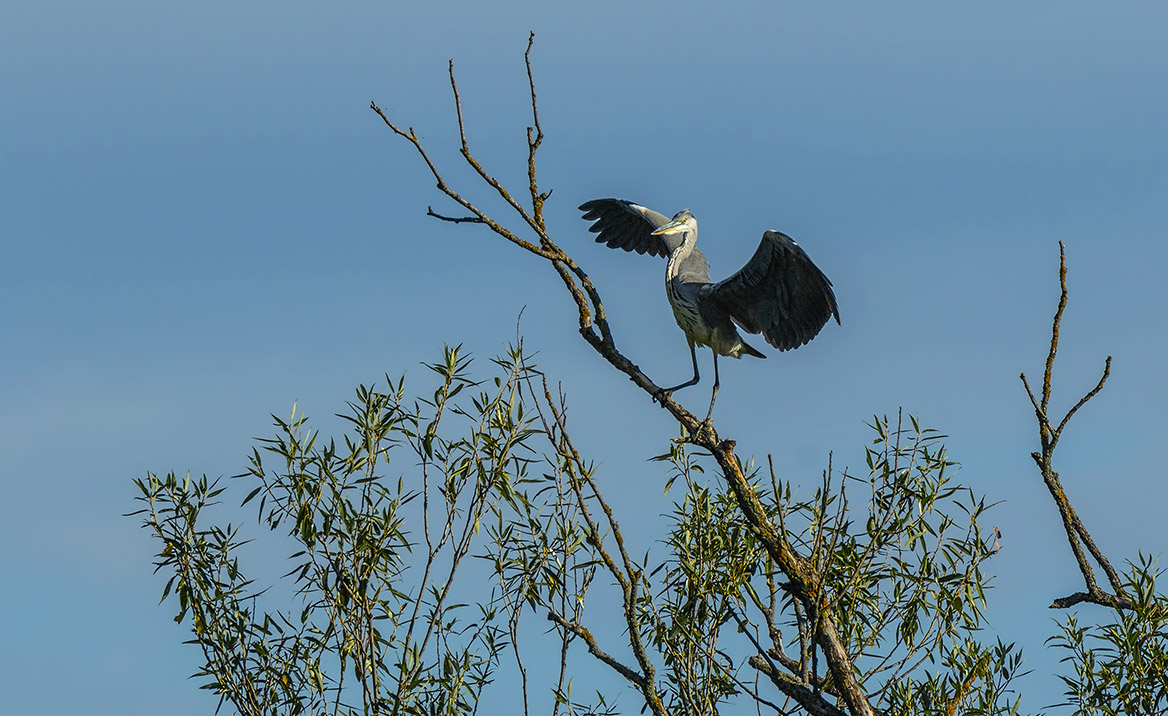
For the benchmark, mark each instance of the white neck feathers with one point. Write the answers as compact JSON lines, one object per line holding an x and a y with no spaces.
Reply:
{"x":680,"y":254}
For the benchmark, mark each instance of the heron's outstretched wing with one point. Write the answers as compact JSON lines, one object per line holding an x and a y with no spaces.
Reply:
{"x":624,"y":225}
{"x":779,"y":293}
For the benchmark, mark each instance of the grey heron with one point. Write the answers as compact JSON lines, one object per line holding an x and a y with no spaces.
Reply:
{"x":779,"y":293}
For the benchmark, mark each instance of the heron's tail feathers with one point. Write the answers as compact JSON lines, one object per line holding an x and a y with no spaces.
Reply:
{"x":746,"y":349}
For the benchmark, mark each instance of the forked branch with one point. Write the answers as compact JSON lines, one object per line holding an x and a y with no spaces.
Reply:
{"x":1077,"y":535}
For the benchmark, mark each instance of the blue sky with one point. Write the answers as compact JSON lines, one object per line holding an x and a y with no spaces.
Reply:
{"x":203,"y":222}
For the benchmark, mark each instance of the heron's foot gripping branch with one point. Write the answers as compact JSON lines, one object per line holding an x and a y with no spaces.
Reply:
{"x":706,"y":430}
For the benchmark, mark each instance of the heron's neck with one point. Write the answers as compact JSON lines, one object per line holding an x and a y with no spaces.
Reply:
{"x":680,"y":254}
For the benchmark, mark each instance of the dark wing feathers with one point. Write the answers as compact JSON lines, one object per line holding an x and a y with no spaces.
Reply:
{"x":779,"y":293}
{"x":624,"y":225}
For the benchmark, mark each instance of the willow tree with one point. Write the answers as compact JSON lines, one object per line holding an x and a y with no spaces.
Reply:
{"x":454,"y":536}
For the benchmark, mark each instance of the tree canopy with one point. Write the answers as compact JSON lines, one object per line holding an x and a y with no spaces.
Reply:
{"x":453,"y":540}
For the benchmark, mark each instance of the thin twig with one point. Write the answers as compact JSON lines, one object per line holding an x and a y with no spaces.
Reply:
{"x":483,"y":174}
{"x":537,"y":199}
{"x":1083,"y":401}
{"x":454,"y":219}
{"x":1054,"y":333}
{"x":412,"y":138}
{"x":1039,"y":412}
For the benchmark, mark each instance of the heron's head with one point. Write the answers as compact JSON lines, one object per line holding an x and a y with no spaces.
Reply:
{"x":683,"y":222}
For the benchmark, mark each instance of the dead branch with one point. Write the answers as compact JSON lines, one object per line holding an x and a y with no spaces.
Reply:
{"x":1077,"y":535}
{"x":633,"y":677}
{"x":453,"y":219}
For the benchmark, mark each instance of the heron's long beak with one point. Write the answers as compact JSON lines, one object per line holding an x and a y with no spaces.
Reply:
{"x":671,"y":226}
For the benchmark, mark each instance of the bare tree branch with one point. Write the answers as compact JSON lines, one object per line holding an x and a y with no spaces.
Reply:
{"x":1083,"y":401}
{"x":474,"y":163}
{"x":537,"y":199}
{"x":412,"y":138}
{"x":1077,"y":534}
{"x":1054,"y":333}
{"x":632,"y":676}
{"x":454,"y":219}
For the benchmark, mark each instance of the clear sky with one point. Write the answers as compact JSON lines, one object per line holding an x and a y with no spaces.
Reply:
{"x":201,"y":222}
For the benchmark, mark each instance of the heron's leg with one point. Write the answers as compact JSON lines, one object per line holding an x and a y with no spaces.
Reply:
{"x":715,"y":395}
{"x":665,"y":392}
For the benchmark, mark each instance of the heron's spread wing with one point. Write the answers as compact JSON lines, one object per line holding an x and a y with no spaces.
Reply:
{"x":779,"y":293}
{"x":624,"y":225}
